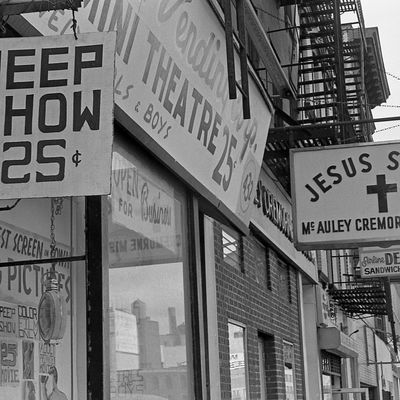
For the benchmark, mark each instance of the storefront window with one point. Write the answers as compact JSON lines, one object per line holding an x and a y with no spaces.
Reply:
{"x":237,"y":362}
{"x":42,"y":333}
{"x":149,"y":324}
{"x":327,"y":386}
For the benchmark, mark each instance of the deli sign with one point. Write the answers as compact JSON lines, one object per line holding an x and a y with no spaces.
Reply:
{"x":377,"y":262}
{"x":56,"y":115}
{"x":346,"y":196}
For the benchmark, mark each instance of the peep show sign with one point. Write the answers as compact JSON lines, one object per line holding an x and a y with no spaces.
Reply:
{"x":378,"y":262}
{"x":346,"y":195}
{"x":56,"y":115}
{"x":171,"y":80}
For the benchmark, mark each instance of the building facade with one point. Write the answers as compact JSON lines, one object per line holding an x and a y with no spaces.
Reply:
{"x":184,"y":282}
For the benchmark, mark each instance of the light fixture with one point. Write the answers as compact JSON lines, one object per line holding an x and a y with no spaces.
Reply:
{"x":52,"y":309}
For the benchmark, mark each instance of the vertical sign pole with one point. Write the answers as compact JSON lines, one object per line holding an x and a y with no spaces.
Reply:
{"x":389,"y":306}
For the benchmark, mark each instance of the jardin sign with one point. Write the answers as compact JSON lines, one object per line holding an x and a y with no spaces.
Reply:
{"x":56,"y":115}
{"x":346,"y":196}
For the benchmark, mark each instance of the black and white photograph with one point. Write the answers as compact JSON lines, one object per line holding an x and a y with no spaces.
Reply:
{"x":199,"y":200}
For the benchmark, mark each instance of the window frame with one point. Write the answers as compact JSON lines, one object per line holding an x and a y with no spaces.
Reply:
{"x":245,"y":350}
{"x":293,"y":364}
{"x":238,"y":237}
{"x":127,"y":146}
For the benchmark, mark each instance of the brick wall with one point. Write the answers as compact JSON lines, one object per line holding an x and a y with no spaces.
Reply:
{"x":272,"y":313}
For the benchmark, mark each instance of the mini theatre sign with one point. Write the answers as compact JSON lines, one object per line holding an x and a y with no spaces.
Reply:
{"x":377,"y":262}
{"x":171,"y":89}
{"x":346,"y":196}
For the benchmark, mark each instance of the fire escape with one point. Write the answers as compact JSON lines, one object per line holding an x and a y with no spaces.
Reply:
{"x":331,"y":72}
{"x":340,"y":81}
{"x":362,"y":298}
{"x":335,"y":85}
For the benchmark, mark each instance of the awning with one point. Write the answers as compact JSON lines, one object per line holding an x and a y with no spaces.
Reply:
{"x":336,"y":342}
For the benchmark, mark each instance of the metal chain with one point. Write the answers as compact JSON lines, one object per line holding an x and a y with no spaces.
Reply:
{"x":56,"y":208}
{"x":52,"y":234}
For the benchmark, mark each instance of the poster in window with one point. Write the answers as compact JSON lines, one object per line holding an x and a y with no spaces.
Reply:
{"x":30,"y":368}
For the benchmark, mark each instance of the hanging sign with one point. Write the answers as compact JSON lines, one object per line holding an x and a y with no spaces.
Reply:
{"x":56,"y":115}
{"x":347,"y":195}
{"x":172,"y":82}
{"x":377,"y":262}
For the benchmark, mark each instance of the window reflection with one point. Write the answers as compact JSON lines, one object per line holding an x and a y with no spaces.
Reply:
{"x":288,"y":355}
{"x":148,"y":352}
{"x":237,"y":362}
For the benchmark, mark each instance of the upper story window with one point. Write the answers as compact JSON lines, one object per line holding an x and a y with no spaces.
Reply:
{"x":285,"y":280}
{"x":232,"y":248}
{"x":262,"y":266}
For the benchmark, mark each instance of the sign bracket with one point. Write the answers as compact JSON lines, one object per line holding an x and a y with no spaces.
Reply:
{"x":43,"y":261}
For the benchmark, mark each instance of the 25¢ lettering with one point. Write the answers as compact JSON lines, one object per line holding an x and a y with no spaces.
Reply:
{"x":11,"y":171}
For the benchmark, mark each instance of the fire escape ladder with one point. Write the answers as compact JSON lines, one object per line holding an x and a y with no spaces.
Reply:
{"x":332,"y":94}
{"x":243,"y":85}
{"x":330,"y":74}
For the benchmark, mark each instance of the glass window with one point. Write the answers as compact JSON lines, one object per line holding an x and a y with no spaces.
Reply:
{"x":149,"y":324}
{"x":261,"y":367}
{"x":327,"y":386}
{"x":237,"y":358}
{"x":263,"y":271}
{"x":42,"y":333}
{"x":232,"y":247}
{"x":288,"y":355}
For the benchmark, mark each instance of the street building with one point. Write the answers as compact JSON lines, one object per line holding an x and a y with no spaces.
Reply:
{"x":151,"y":243}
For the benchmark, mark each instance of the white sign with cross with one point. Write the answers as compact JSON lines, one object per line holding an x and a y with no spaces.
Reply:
{"x":346,"y":196}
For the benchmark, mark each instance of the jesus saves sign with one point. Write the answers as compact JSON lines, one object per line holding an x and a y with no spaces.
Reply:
{"x":346,"y":195}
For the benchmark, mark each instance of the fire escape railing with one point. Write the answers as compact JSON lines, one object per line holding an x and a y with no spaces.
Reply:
{"x":331,"y":67}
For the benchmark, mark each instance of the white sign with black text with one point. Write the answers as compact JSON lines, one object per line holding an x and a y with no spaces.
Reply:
{"x":377,"y":262}
{"x":56,"y":115}
{"x":347,"y":195}
{"x":171,"y":80}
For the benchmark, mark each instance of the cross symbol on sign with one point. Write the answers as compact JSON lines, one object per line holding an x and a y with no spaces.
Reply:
{"x":382,"y":189}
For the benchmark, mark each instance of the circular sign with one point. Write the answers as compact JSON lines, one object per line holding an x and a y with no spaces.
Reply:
{"x":52,"y":316}
{"x":247,"y":185}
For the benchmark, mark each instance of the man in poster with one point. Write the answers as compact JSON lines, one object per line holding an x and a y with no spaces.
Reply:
{"x":56,"y":393}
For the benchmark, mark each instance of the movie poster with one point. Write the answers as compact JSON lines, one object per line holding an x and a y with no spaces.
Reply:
{"x":30,"y":367}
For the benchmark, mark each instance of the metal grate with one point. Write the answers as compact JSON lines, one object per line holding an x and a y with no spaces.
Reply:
{"x":360,"y":298}
{"x":330,"y":363}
